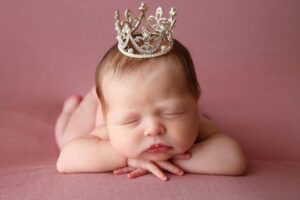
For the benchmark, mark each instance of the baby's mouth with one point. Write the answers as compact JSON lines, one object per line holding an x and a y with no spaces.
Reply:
{"x":158,"y":148}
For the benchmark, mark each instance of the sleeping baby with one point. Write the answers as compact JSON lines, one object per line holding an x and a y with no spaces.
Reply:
{"x":142,"y":114}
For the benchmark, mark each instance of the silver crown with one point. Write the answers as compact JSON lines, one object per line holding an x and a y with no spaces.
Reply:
{"x":154,"y":40}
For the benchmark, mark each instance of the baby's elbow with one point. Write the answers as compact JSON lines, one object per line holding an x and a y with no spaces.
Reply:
{"x":238,"y":163}
{"x":239,"y":167}
{"x":232,"y":156}
{"x":78,"y":155}
{"x":59,"y":166}
{"x":64,"y":162}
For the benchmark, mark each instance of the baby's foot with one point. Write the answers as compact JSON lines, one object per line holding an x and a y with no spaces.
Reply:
{"x":69,"y":106}
{"x":71,"y":103}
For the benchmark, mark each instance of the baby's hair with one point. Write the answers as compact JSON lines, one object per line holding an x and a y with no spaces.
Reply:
{"x":121,"y":64}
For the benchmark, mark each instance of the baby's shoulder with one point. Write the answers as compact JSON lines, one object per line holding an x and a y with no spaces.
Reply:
{"x":100,"y":131}
{"x":206,"y":128}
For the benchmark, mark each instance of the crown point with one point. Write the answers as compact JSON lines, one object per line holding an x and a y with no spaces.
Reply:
{"x":173,"y":11}
{"x":143,"y":7}
{"x":117,"y":15}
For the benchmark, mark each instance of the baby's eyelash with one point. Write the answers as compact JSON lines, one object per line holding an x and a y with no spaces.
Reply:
{"x":129,"y":122}
{"x":172,"y":114}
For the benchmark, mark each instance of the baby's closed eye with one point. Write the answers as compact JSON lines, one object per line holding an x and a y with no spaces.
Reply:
{"x":135,"y":119}
{"x":129,"y":121}
{"x":172,"y":114}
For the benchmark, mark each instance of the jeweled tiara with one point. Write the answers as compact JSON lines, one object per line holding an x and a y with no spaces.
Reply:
{"x":154,"y":40}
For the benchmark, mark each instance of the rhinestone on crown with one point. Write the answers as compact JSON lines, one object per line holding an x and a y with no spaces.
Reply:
{"x":154,"y":40}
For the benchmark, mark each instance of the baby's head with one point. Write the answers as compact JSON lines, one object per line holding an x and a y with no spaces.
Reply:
{"x":149,"y":101}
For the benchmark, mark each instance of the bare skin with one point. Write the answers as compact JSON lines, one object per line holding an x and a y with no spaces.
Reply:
{"x":82,"y":118}
{"x":78,"y":117}
{"x":70,"y":125}
{"x":152,"y":122}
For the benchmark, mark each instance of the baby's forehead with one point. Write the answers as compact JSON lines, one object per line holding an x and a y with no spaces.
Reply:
{"x":163,"y":66}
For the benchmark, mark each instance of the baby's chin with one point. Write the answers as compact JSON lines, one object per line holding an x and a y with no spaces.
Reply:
{"x":156,"y":156}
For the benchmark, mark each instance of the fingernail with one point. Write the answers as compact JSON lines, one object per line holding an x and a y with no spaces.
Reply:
{"x":180,"y":173}
{"x":187,"y":156}
{"x":165,"y":178}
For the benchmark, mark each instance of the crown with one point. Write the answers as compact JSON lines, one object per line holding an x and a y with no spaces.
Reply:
{"x":154,"y":40}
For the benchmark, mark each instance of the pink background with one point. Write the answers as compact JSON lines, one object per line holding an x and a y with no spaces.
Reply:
{"x":247,"y":55}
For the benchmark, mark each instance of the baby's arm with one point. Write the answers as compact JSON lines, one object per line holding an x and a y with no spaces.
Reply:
{"x":216,"y":154}
{"x":89,"y":154}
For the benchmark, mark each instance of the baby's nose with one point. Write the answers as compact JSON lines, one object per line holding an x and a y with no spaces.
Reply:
{"x":154,"y":128}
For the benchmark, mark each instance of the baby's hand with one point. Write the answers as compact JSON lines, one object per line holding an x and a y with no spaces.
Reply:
{"x":139,"y":167}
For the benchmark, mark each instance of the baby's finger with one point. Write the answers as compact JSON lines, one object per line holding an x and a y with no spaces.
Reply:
{"x":156,"y":171}
{"x":182,"y":156}
{"x":137,"y":163}
{"x":147,"y":165}
{"x":138,"y":172}
{"x":170,"y":167}
{"x":124,"y":170}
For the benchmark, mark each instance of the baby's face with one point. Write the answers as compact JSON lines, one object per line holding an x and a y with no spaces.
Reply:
{"x":148,"y":107}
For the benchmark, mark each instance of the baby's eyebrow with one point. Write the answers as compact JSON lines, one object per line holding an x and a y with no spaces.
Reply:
{"x":172,"y":104}
{"x":125,"y":115}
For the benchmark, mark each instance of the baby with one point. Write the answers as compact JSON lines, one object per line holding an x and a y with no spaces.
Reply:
{"x":142,"y":116}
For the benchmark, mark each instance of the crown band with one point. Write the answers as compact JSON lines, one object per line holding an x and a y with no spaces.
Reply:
{"x":145,"y":44}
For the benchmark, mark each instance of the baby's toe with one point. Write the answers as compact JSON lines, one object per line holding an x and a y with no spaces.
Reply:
{"x":71,"y":103}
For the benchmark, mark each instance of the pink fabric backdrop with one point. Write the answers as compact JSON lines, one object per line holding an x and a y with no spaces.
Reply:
{"x":247,"y":55}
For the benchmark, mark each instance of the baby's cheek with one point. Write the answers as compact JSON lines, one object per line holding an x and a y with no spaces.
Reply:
{"x":125,"y":144}
{"x":115,"y":139}
{"x":136,"y":146}
{"x":184,"y":138}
